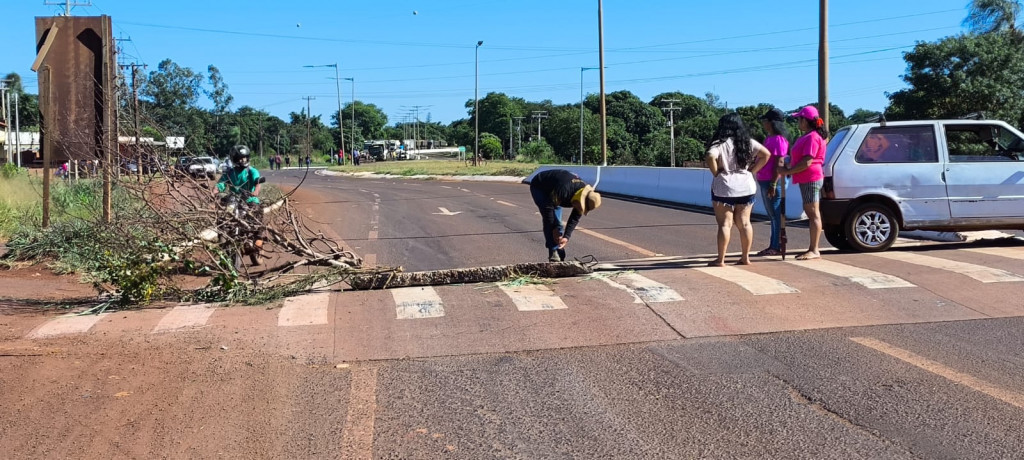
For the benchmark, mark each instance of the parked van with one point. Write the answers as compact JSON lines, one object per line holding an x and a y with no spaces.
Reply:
{"x":942,"y":175}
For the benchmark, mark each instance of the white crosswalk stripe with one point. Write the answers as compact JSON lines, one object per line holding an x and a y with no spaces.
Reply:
{"x":756,"y":283}
{"x":643,"y":289}
{"x":533,"y":297}
{"x":978,"y":272}
{"x":867,"y":278}
{"x":417,"y":302}
{"x":65,"y":325}
{"x":307,"y":310}
{"x":1009,"y":253}
{"x":184,"y":316}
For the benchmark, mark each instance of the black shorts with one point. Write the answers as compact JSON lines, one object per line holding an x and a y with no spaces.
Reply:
{"x":733,"y":200}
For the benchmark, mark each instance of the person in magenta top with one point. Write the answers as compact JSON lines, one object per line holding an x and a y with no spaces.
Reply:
{"x":769,"y":181}
{"x":806,"y":160}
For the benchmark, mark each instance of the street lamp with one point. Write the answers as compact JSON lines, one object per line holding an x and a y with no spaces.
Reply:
{"x":476,"y":108}
{"x":352,"y":144}
{"x":582,"y":69}
{"x":337,"y":81}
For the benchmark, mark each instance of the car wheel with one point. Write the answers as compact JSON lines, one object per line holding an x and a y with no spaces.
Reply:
{"x":871,"y":227}
{"x":836,"y":236}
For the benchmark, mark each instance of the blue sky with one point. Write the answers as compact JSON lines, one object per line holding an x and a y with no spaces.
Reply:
{"x":744,"y":51}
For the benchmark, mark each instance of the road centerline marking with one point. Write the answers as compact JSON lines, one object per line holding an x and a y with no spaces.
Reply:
{"x":978,"y":272}
{"x":864,"y":277}
{"x":756,"y":283}
{"x":507,"y":204}
{"x":974,"y":383}
{"x":630,"y":246}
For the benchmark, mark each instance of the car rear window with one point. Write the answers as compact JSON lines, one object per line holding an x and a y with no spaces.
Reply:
{"x":899,"y":144}
{"x":834,"y":143}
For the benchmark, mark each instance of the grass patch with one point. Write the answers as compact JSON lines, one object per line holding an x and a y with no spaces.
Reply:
{"x":442,"y":168}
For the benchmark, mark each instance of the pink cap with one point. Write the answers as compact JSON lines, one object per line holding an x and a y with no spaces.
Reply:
{"x":809,"y":112}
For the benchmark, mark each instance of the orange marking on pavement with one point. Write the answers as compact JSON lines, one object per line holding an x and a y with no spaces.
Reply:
{"x":942,"y":370}
{"x":631,"y":247}
{"x":357,"y":441}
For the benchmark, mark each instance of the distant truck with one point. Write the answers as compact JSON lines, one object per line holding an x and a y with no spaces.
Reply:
{"x":378,"y":150}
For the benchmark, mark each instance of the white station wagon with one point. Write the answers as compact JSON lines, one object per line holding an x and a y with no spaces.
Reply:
{"x":943,"y":175}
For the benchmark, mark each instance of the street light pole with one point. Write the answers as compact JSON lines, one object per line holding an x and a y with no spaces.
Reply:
{"x":823,"y":64}
{"x":604,"y":111}
{"x":476,"y":108}
{"x":351,"y":144}
{"x":582,"y":69}
{"x":341,"y":128}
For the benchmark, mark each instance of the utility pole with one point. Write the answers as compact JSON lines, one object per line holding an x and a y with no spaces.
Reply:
{"x":509,"y":138}
{"x":308,"y":147}
{"x":604,"y":109}
{"x":5,"y":113}
{"x":68,"y":4}
{"x":671,"y":127}
{"x":823,"y":65}
{"x":519,"y":131}
{"x":135,"y":109}
{"x":539,"y":115}
{"x":17,"y":130}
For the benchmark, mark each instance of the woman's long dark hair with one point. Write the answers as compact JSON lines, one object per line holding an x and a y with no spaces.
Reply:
{"x":777,"y":128}
{"x":731,"y":126}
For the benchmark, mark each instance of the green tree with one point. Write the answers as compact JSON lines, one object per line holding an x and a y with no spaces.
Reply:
{"x":370,"y":122}
{"x":490,"y":146}
{"x":963,"y":74}
{"x":28,"y":104}
{"x":863,"y":115}
{"x":987,"y":16}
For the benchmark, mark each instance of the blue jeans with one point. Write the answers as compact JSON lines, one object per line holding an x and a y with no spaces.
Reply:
{"x":541,"y":200}
{"x":773,"y":207}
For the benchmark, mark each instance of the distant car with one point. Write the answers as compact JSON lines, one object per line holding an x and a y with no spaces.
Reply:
{"x":941,"y":175}
{"x":203,"y":167}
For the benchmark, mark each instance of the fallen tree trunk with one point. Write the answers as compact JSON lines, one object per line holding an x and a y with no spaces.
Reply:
{"x":394,"y":278}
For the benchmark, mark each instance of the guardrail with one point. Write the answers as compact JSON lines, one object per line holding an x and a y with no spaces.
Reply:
{"x":689,"y":186}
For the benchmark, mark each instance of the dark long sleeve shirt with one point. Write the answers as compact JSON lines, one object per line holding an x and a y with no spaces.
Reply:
{"x":559,"y":186}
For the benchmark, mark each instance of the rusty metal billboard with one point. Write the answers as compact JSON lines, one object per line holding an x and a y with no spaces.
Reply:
{"x":77,"y":99}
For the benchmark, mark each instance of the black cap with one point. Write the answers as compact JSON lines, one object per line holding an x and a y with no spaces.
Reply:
{"x":773,"y":115}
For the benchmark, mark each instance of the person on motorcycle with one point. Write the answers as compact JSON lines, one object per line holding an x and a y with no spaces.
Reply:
{"x":244,"y":181}
{"x":240,"y":178}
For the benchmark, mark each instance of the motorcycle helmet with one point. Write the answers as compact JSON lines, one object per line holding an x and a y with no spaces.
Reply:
{"x":240,"y":156}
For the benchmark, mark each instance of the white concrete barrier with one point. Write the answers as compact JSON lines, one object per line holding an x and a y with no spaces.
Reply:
{"x":689,"y":186}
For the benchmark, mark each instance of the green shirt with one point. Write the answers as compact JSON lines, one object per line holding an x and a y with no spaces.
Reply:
{"x":235,"y":181}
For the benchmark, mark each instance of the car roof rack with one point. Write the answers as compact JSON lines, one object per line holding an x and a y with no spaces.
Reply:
{"x":979,"y":115}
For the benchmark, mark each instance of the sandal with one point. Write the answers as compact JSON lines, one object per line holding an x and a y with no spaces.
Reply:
{"x":769,"y":252}
{"x":808,"y":256}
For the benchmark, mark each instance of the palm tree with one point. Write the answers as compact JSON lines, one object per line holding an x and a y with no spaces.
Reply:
{"x":986,"y":16}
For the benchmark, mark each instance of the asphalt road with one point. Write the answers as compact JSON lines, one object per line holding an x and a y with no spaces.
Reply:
{"x":914,"y":354}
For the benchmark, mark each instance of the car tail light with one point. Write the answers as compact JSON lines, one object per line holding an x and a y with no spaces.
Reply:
{"x":828,"y":191}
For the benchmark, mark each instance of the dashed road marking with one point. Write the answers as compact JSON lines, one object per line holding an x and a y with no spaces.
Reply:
{"x":867,"y":278}
{"x":370,"y":260}
{"x":1002,"y":394}
{"x":1009,"y":253}
{"x":372,"y":236}
{"x":417,"y":302}
{"x":184,"y":316}
{"x":65,"y":325}
{"x":533,"y":297}
{"x":756,"y":283}
{"x":508,"y":204}
{"x":978,"y":272}
{"x":307,"y":310}
{"x":643,"y":289}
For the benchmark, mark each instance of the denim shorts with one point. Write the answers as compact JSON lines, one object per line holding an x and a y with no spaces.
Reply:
{"x":733,"y":200}
{"x":811,"y":191}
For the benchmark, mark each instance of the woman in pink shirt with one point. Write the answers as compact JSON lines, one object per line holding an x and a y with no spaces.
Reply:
{"x":805,"y":166}
{"x":769,"y":181}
